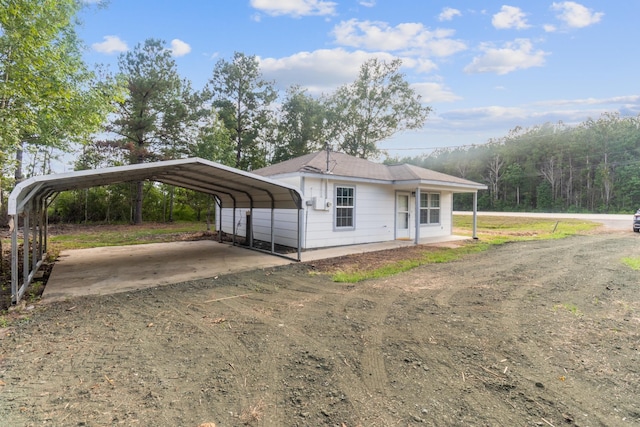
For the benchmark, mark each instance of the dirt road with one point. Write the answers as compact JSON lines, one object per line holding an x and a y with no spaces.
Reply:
{"x":529,"y":334}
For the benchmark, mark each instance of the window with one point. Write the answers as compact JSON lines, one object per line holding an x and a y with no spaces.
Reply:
{"x":429,"y":208}
{"x":345,"y":204}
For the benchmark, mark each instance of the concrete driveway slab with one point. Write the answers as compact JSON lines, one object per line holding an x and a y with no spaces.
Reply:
{"x":106,"y":270}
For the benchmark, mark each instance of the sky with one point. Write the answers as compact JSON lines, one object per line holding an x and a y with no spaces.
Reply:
{"x":484,"y":67}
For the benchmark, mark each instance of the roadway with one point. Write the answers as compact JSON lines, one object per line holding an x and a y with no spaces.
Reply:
{"x":613,"y":221}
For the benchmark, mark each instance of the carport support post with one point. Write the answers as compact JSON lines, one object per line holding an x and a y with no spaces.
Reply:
{"x":219,"y":218}
{"x":25,"y":245}
{"x":300,"y":218}
{"x":475,"y":215}
{"x":13,"y":225}
{"x":249,"y":227}
{"x":273,"y":235}
{"x":417,"y":216}
{"x":233,"y":224}
{"x":44,"y":224}
{"x":35,"y":249}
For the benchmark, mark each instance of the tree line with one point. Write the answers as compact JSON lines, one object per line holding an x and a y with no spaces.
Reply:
{"x":53,"y":104}
{"x":590,"y":167}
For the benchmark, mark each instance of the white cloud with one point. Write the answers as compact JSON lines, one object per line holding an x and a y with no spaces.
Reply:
{"x":369,"y":3}
{"x":179,"y":48}
{"x":111,"y":44}
{"x":406,"y":38}
{"x":320,"y":71}
{"x":624,"y":100}
{"x":516,"y":55}
{"x":421,"y":65}
{"x":448,"y":13}
{"x":550,"y":28}
{"x":434,"y":92}
{"x":295,"y":8}
{"x":510,"y":17}
{"x":489,"y":113}
{"x":575,"y":15}
{"x":568,"y":111}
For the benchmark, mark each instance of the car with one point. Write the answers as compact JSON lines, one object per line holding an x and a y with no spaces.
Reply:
{"x":636,"y":222}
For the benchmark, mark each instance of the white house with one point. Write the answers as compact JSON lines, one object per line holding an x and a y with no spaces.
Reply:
{"x":348,"y":200}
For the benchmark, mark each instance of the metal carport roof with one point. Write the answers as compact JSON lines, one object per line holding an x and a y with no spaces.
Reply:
{"x":231,"y":187}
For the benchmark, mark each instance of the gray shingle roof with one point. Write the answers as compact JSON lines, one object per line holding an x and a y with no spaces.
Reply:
{"x":344,"y":165}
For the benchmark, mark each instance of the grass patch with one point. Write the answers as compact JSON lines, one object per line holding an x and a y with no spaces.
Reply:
{"x":491,"y":231}
{"x":82,"y":237}
{"x":429,"y":256}
{"x":515,"y":229}
{"x":633,"y":263}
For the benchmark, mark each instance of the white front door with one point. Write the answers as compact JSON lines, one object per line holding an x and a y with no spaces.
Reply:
{"x":402,"y":216}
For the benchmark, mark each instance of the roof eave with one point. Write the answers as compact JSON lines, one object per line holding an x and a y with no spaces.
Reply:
{"x":470,"y":187}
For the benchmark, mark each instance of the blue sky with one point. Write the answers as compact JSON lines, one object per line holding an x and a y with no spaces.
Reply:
{"x":484,"y":67}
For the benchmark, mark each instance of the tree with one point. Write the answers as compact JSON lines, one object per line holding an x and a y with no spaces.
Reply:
{"x":494,"y":176}
{"x":242,"y":99}
{"x":377,"y":105}
{"x":213,"y":141}
{"x":551,"y":172}
{"x":514,"y":177}
{"x":589,"y":167}
{"x":48,"y":96}
{"x":301,"y":126}
{"x":155,"y":120}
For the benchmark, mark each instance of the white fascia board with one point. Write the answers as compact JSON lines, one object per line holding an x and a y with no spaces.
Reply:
{"x":445,"y":185}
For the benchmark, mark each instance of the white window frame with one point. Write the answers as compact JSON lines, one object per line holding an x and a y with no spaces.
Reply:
{"x":339,"y":205}
{"x":432,"y":205}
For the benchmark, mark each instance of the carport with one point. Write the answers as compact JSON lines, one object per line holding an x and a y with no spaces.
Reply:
{"x":230,"y":188}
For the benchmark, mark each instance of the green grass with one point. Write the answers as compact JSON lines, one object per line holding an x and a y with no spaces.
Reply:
{"x":634,"y":263}
{"x":433,"y":256}
{"x":97,"y":236}
{"x":491,"y":231}
{"x":520,"y":228}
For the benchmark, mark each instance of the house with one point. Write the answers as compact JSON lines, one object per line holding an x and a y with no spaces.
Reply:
{"x":349,"y":200}
{"x":319,"y":200}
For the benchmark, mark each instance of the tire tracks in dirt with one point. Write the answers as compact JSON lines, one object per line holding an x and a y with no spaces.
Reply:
{"x":168,"y":329}
{"x":289,"y":340}
{"x":526,"y":287}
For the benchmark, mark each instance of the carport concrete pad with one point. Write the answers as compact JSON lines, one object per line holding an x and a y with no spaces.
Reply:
{"x":106,"y":270}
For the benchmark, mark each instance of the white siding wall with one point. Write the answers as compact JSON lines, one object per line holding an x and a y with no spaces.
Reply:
{"x":374,"y":216}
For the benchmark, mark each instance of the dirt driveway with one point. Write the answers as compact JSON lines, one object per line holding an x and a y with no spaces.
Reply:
{"x":527,"y":334}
